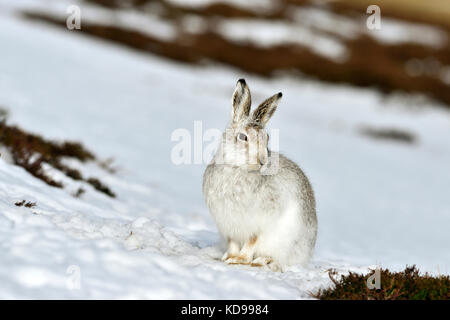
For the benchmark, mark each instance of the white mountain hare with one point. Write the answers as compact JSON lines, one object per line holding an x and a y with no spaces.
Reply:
{"x":262,"y":202}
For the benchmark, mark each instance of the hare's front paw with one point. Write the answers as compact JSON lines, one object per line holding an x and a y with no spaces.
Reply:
{"x":267,"y":262}
{"x":242,"y":256}
{"x":240,"y":259}
{"x":226,"y":256}
{"x":232,"y":252}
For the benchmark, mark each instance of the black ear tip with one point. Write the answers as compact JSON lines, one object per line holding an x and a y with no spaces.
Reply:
{"x":241,"y":81}
{"x":280,"y":94}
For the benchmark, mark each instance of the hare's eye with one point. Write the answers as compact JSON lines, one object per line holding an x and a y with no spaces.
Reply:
{"x":242,"y":137}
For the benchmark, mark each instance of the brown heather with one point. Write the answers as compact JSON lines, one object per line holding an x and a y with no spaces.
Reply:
{"x":31,"y":151}
{"x":406,"y":285}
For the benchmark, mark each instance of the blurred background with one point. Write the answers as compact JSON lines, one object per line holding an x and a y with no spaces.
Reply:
{"x":325,"y":40}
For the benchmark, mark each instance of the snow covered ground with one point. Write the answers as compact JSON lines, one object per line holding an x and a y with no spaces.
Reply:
{"x":379,"y":203}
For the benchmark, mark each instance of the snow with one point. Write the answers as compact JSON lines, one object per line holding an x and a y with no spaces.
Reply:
{"x":270,"y":33}
{"x":379,"y":203}
{"x":393,"y":31}
{"x":327,"y":21}
{"x":146,"y":22}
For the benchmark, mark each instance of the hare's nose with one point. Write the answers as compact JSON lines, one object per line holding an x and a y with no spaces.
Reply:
{"x":262,"y":159}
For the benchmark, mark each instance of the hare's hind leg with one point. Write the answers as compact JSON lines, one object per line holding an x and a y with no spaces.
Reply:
{"x":267,"y":262}
{"x":245,"y":255}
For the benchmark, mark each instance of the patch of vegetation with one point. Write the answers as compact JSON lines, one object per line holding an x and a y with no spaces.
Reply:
{"x":31,"y":151}
{"x":26,"y":204}
{"x":97,"y":184}
{"x":389,"y":134}
{"x":406,"y":285}
{"x":107,"y":165}
{"x":3,"y":114}
{"x":79,"y":193}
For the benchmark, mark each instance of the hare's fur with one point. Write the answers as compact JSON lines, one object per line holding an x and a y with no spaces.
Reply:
{"x":266,"y":219}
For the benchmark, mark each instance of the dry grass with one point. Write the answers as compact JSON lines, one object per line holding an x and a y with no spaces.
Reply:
{"x":26,"y":204}
{"x":390,"y":134}
{"x":31,"y":151}
{"x":406,"y":285}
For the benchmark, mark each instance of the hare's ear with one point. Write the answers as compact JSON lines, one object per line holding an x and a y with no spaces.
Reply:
{"x":265,"y":110}
{"x":241,"y":101}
